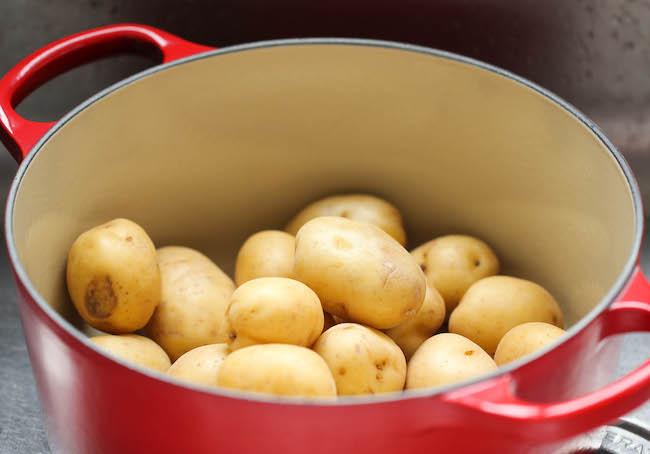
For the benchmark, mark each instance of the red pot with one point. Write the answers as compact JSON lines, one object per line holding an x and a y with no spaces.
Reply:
{"x":213,"y":145}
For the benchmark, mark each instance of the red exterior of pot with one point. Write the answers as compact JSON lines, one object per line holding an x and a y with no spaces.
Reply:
{"x":95,"y":405}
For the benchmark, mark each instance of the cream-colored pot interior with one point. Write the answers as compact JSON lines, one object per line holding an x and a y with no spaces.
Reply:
{"x":207,"y":152}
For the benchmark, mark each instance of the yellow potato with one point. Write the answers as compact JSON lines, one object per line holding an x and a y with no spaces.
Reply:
{"x":277,"y":369}
{"x":195,"y":295}
{"x":200,"y":365}
{"x":447,"y":358}
{"x":412,"y":333}
{"x":362,"y":360}
{"x":359,"y":272}
{"x":134,"y":349}
{"x":273,"y":310}
{"x":525,"y":339}
{"x":496,"y":304}
{"x":113,"y":278}
{"x":357,"y":207}
{"x":454,"y":262}
{"x":265,"y":254}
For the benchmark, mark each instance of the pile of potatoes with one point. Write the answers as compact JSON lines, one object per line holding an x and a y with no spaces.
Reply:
{"x":333,"y":305}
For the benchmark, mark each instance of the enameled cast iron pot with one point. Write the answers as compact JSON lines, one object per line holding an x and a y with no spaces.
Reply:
{"x":214,"y":145}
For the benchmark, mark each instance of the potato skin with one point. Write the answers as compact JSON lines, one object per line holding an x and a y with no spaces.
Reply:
{"x":279,"y":369}
{"x":195,"y":295}
{"x":359,"y":272}
{"x":272,"y":310}
{"x":200,"y":365}
{"x":446,"y":358}
{"x":452,"y":263}
{"x":265,"y":254}
{"x":113,"y":278}
{"x":357,"y":207}
{"x":362,"y":360}
{"x":135,"y":349}
{"x":412,"y":333}
{"x":496,"y":304}
{"x":525,"y":339}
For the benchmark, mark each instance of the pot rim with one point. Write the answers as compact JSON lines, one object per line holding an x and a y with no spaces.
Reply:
{"x":617,"y":288}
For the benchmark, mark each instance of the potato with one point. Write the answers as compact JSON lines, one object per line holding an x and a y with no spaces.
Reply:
{"x":454,"y":262}
{"x":265,"y":254}
{"x":362,"y":360}
{"x":287,"y":370}
{"x":496,"y":304}
{"x":525,"y":339}
{"x":412,"y":333}
{"x":359,"y":272}
{"x":195,"y":295}
{"x":357,"y":207}
{"x":134,"y":349}
{"x":200,"y":365}
{"x":447,"y":358}
{"x":113,"y":278}
{"x":273,"y":310}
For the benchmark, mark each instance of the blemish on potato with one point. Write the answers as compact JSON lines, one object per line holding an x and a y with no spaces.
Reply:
{"x":100,"y":298}
{"x":409,"y":313}
{"x":342,"y":371}
{"x":477,"y":262}
{"x":469,"y":352}
{"x":129,"y":238}
{"x":388,"y":269}
{"x":342,"y":244}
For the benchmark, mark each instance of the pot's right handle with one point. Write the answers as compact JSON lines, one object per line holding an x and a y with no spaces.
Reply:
{"x":20,"y":135}
{"x":494,"y":404}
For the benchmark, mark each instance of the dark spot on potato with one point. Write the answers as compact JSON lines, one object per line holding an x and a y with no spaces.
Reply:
{"x":379,"y":366}
{"x":554,"y":318}
{"x":379,"y":376}
{"x":232,"y":335}
{"x":100,"y":298}
{"x":129,"y":238}
{"x":342,"y":371}
{"x":345,"y":214}
{"x":469,"y":352}
{"x":424,"y":267}
{"x":477,"y":262}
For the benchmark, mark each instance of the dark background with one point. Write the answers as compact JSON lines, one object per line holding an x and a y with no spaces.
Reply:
{"x":593,"y":53}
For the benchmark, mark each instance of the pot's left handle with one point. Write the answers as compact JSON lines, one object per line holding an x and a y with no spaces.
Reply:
{"x":18,"y":134}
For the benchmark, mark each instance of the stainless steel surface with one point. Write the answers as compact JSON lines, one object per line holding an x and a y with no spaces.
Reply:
{"x":594,"y":53}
